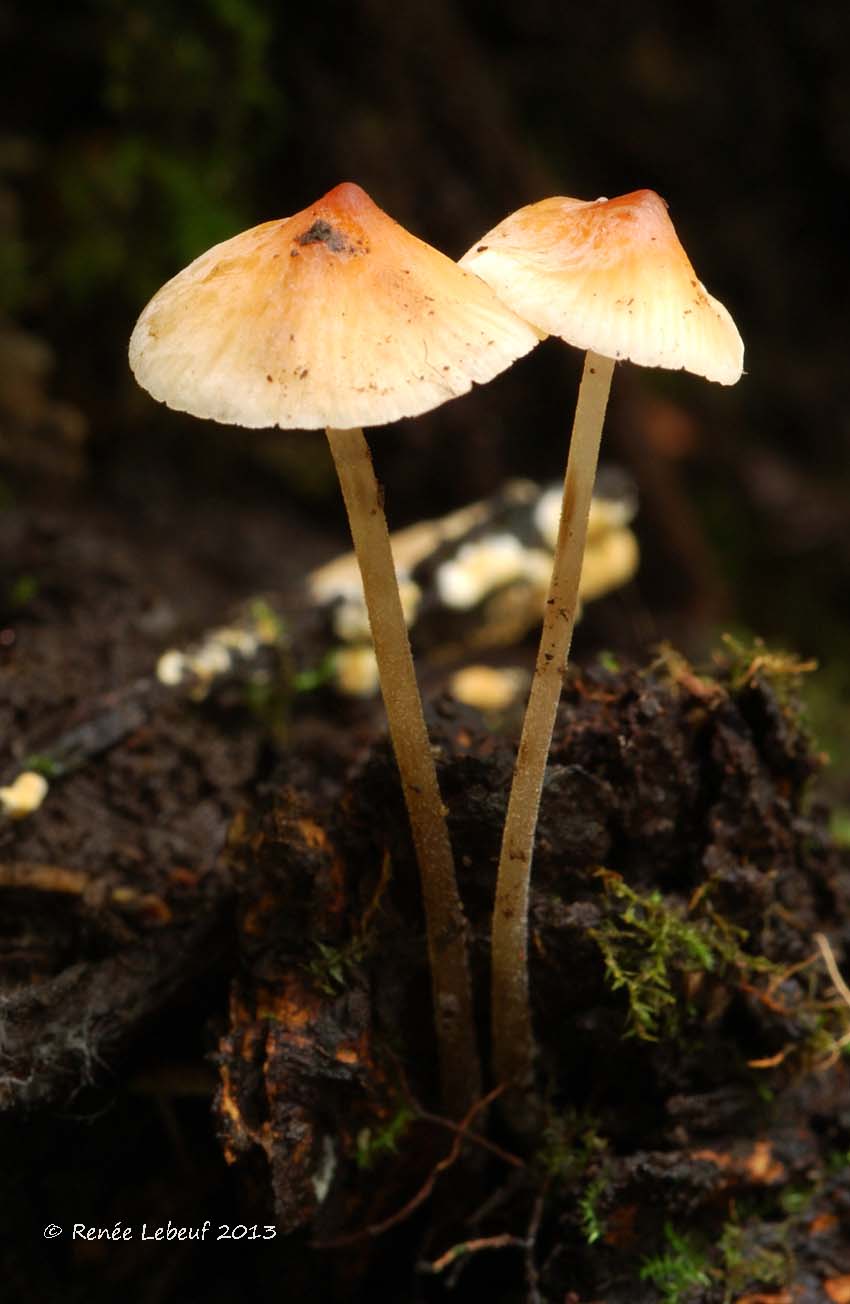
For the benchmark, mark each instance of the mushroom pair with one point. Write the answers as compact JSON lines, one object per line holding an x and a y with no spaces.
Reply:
{"x":609,"y":277}
{"x":339,"y":318}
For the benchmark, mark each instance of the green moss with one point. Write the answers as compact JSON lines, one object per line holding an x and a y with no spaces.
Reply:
{"x":794,"y":1200}
{"x":826,"y":697}
{"x":609,"y":661}
{"x":754,"y":1256}
{"x":22,"y":591}
{"x":374,"y":1143}
{"x":593,"y":1225}
{"x":679,"y":1270}
{"x":333,"y":966}
{"x":168,"y":169}
{"x":746,"y":659}
{"x":652,"y":950}
{"x":571,"y":1142}
{"x":648,"y":947}
{"x":573,"y":1153}
{"x":307,"y":681}
{"x":839,"y":827}
{"x":838,"y":1161}
{"x":43,"y":763}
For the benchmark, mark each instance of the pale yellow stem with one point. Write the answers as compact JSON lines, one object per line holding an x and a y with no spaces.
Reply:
{"x":513,"y":1040}
{"x":444,"y":917}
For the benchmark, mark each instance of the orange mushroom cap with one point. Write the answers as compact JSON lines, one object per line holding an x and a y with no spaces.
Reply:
{"x":335,"y":317}
{"x":610,"y":275}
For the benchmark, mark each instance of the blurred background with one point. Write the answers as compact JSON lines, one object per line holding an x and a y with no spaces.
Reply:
{"x":134,"y":135}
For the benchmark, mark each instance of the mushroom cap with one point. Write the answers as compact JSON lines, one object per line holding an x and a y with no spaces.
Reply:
{"x":334,"y":317}
{"x":610,"y":275}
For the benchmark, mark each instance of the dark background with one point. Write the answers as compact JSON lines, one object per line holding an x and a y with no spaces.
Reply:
{"x":135,"y":135}
{"x":132,"y":137}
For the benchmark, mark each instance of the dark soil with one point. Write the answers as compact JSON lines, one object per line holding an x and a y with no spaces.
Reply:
{"x":214,"y":996}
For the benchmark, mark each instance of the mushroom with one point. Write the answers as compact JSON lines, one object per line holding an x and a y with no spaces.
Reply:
{"x":610,"y":277}
{"x":24,"y":795}
{"x":339,"y":318}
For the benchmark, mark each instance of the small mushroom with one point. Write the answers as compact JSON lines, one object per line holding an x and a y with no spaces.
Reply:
{"x":608,"y":276}
{"x":24,"y":796}
{"x":338,"y":318}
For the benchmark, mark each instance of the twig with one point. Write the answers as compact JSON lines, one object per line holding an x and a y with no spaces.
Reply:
{"x":770,"y":1061}
{"x":832,"y":968}
{"x":532,"y":1275}
{"x":378,"y":1229}
{"x":74,"y":882}
{"x":496,"y":1199}
{"x":464,"y":1248}
{"x":775,"y":1006}
{"x":475,"y":1137}
{"x":44,"y":878}
{"x":832,"y":1057}
{"x":843,"y":991}
{"x":458,"y":1254}
{"x":778,"y":979}
{"x":439,"y":1120}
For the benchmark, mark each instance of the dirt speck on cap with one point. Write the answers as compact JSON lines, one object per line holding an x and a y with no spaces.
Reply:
{"x":322,"y":232}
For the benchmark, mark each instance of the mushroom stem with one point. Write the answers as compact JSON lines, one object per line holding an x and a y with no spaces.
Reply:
{"x":513,"y":1040}
{"x":445,"y":921}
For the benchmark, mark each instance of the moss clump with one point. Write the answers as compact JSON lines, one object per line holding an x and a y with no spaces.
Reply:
{"x":680,"y":1270}
{"x":743,"y":662}
{"x":658,"y":953}
{"x":573,"y":1154}
{"x":593,"y":1224}
{"x":571,"y":1143}
{"x":332,"y":968}
{"x":373,"y":1143}
{"x":650,"y":947}
{"x":754,"y":1256}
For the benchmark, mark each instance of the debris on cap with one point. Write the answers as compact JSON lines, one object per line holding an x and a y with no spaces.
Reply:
{"x":609,"y":275}
{"x":335,"y":317}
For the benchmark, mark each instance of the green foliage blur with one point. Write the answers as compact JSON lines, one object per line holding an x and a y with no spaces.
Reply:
{"x":170,"y":110}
